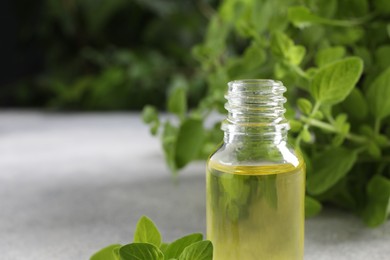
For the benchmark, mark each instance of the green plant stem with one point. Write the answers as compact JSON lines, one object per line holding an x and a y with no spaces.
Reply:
{"x":328,"y":127}
{"x":348,"y":23}
{"x":306,"y":125}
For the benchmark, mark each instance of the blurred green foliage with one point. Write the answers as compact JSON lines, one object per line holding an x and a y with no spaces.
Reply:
{"x":104,"y":55}
{"x":333,"y":57}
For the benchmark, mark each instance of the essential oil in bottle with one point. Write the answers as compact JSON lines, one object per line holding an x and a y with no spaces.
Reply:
{"x":256,"y":180}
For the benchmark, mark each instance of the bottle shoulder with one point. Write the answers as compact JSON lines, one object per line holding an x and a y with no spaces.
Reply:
{"x":282,"y":155}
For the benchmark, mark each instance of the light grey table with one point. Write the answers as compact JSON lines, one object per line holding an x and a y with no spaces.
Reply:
{"x":73,"y":183}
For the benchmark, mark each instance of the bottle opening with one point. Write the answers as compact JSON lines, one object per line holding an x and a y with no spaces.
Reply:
{"x":256,"y":107}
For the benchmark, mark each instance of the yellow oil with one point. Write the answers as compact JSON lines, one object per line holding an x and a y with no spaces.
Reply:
{"x":256,"y":212}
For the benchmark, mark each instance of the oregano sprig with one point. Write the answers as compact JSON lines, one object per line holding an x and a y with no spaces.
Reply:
{"x":334,"y":58}
{"x":148,"y":245}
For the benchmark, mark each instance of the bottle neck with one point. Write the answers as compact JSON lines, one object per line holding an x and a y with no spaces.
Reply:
{"x":255,"y":112}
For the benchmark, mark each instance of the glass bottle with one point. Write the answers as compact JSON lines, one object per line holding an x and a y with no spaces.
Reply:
{"x":256,"y":179}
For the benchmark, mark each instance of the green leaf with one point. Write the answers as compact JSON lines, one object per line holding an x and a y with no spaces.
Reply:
{"x":318,"y":115}
{"x":329,"y":55}
{"x":154,"y":127}
{"x":306,"y":135}
{"x":163,"y":247}
{"x":382,"y":55}
{"x":330,"y":167}
{"x":175,"y":249}
{"x":378,"y":95}
{"x":381,"y":140}
{"x":301,"y":17}
{"x":311,"y":72}
{"x":280,"y":70}
{"x":325,"y":8}
{"x":215,"y":42}
{"x":312,"y":207}
{"x":353,"y":8}
{"x":296,"y":54}
{"x":149,"y":114}
{"x":283,"y":46}
{"x":340,"y":121}
{"x":189,"y":141}
{"x":295,"y":125}
{"x":378,"y":205}
{"x":147,"y":232}
{"x":304,"y":105}
{"x":374,"y":150}
{"x":106,"y":253}
{"x":169,"y":137}
{"x":115,"y":251}
{"x":366,"y":56}
{"x":366,"y":130}
{"x":356,"y":105}
{"x":202,"y":250}
{"x":177,"y":102}
{"x":213,"y":137}
{"x":346,"y":36}
{"x":333,"y":83}
{"x":140,"y":251}
{"x":338,"y":140}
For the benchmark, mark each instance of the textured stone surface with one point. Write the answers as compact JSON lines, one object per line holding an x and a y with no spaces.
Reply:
{"x":73,"y":183}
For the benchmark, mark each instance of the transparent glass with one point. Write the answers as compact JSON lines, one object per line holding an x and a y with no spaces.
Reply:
{"x":256,"y":179}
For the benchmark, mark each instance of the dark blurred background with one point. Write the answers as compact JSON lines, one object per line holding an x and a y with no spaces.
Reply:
{"x":99,"y":54}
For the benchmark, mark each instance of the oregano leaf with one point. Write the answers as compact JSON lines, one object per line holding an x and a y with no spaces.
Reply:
{"x":378,"y":95}
{"x":169,"y":137}
{"x":329,"y":55}
{"x":356,"y":105}
{"x":382,"y":55}
{"x":333,"y":83}
{"x":147,"y":232}
{"x":189,"y":141}
{"x":304,"y":105}
{"x":175,"y":248}
{"x":140,"y":251}
{"x":163,"y":247}
{"x":306,"y":135}
{"x":312,"y":207}
{"x":296,"y":54}
{"x":177,"y":102}
{"x":301,"y":17}
{"x":378,"y":205}
{"x":295,"y":125}
{"x":149,"y":114}
{"x":284,"y":47}
{"x":340,"y":120}
{"x":202,"y":250}
{"x":374,"y":150}
{"x":329,"y":167}
{"x":318,"y":115}
{"x":106,"y":253}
